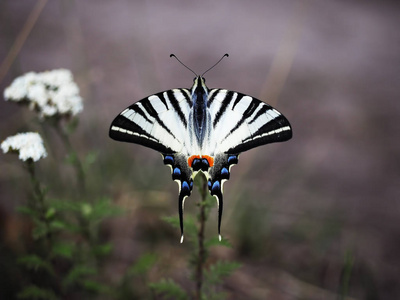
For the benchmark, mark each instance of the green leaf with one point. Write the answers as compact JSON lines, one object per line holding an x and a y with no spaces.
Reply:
{"x":35,"y":292}
{"x":95,"y":287}
{"x":40,"y":230}
{"x":143,"y":264}
{"x":102,"y":250}
{"x":36,"y":263}
{"x":64,"y":250}
{"x":90,"y":158}
{"x":71,"y":158}
{"x":102,"y":209}
{"x":173,"y":221}
{"x":27,"y":210}
{"x":214,"y":241}
{"x":86,"y":209}
{"x":219,"y":271}
{"x":56,"y":225}
{"x":76,"y":274}
{"x":169,"y":289}
{"x":65,"y":205}
{"x":50,"y":213}
{"x":188,"y":224}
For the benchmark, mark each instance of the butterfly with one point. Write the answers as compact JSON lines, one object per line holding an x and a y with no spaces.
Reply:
{"x":200,"y":130}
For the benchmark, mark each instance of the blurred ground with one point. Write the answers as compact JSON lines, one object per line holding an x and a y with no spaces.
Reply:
{"x":294,"y":211}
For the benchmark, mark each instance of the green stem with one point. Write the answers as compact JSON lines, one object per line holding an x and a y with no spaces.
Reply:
{"x":346,"y":275}
{"x":201,"y":256}
{"x":75,"y":159}
{"x":38,"y":202}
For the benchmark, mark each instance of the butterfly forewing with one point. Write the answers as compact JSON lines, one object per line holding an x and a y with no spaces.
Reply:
{"x":158,"y":121}
{"x":242,"y":122}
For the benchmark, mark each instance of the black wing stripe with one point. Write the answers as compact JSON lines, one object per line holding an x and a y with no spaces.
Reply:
{"x":161,"y":97}
{"x":138,"y":110}
{"x":224,"y":106}
{"x":187,"y":98}
{"x":247,"y":113}
{"x":152,"y":112}
{"x":211,"y":99}
{"x":175,"y":104}
{"x":240,"y":96}
{"x":273,"y":125}
{"x":262,"y":111}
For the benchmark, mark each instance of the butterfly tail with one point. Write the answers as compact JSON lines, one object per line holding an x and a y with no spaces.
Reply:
{"x":181,"y":204}
{"x":216,"y":191}
{"x":220,"y":208}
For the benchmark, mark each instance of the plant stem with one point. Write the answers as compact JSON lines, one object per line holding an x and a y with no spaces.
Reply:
{"x":38,"y":202}
{"x":75,"y":159}
{"x":201,"y":256}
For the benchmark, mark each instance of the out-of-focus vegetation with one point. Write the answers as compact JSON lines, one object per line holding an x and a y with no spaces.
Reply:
{"x":313,"y":218}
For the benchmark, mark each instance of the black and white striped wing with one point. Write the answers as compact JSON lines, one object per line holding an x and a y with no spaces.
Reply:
{"x":241,"y":122}
{"x":159,"y":121}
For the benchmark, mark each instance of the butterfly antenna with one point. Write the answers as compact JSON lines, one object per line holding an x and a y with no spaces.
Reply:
{"x":225,"y":55}
{"x":173,"y":55}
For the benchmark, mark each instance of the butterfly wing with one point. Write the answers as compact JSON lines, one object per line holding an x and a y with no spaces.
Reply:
{"x":160,"y":122}
{"x":240,"y":123}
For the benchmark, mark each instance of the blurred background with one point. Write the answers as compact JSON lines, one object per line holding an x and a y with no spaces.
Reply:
{"x":298,"y":214}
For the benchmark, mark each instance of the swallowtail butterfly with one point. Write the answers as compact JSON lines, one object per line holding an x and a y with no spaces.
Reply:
{"x":200,"y":130}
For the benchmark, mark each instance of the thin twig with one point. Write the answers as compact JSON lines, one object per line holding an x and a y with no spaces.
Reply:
{"x":21,"y":38}
{"x":201,"y":250}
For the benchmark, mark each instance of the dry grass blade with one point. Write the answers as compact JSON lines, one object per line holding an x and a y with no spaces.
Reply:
{"x":21,"y":38}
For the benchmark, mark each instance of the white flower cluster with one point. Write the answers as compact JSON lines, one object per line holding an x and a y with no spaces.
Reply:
{"x":51,"y":93}
{"x":29,"y":145}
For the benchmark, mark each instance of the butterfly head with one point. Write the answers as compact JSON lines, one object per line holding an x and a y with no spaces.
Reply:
{"x":199,"y":84}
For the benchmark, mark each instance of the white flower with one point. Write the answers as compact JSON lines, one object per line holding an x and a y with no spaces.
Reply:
{"x":51,"y":93}
{"x":29,"y":145}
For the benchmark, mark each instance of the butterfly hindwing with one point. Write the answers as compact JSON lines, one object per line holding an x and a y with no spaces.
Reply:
{"x":183,"y":175}
{"x":218,"y":174}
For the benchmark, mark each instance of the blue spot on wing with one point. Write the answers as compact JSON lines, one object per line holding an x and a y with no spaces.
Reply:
{"x":224,"y":171}
{"x":216,"y":187}
{"x":177,"y":172}
{"x":185,"y":186}
{"x":232,"y":159}
{"x":168,"y":159}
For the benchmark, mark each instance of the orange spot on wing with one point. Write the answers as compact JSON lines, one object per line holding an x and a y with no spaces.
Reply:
{"x":191,"y":158}
{"x":209,"y":159}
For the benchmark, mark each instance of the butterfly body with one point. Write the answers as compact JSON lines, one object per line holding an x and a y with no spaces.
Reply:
{"x":200,"y":130}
